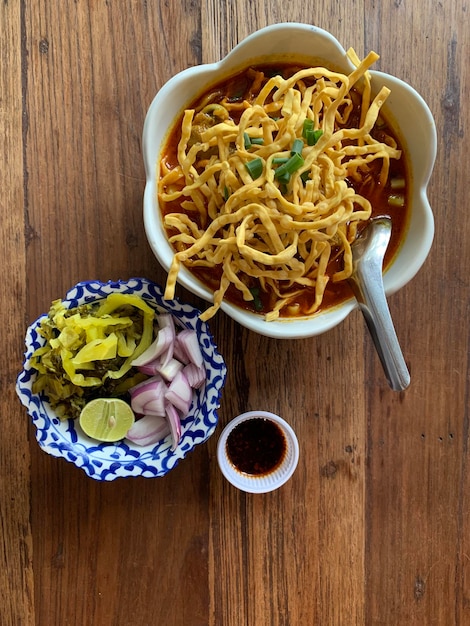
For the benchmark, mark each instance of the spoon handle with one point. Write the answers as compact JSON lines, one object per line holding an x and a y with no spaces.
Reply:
{"x":372,"y":301}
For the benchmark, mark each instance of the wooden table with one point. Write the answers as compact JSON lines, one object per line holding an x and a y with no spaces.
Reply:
{"x":374,"y":526}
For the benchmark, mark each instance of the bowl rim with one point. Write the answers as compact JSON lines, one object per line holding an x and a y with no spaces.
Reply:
{"x":108,"y":461}
{"x":395,"y":277}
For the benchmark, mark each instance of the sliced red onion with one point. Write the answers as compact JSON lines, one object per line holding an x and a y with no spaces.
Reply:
{"x":174,"y":423}
{"x":164,"y":340}
{"x":175,"y":366}
{"x":156,"y":406}
{"x":167,"y":325}
{"x":196,"y":375}
{"x":151,"y":369}
{"x":166,"y":319}
{"x":150,"y":392}
{"x":179,"y":352}
{"x":189,"y":343}
{"x":170,"y":369}
{"x":180,"y":393}
{"x":148,"y":430}
{"x":165,"y":368}
{"x":144,"y":383}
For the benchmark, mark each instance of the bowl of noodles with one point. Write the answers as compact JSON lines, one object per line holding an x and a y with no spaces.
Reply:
{"x":263,"y":168}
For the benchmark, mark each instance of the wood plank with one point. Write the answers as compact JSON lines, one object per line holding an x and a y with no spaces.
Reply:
{"x":16,"y":552}
{"x":417,"y":483}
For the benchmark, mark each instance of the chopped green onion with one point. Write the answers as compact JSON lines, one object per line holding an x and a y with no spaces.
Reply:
{"x":397,"y":183}
{"x":297,"y":147}
{"x":226,"y":193}
{"x":308,"y":132}
{"x":256,"y":299}
{"x":308,"y":125}
{"x":310,"y":137}
{"x":292,"y":165}
{"x":280,"y":160}
{"x":380,"y":122}
{"x":251,"y":141}
{"x":396,"y":200}
{"x":313,"y":136}
{"x":283,"y":178}
{"x":305,"y":176}
{"x":255,"y":168}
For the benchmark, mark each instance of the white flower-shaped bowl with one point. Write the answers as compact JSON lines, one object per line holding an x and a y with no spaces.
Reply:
{"x":108,"y":461}
{"x":305,"y":44}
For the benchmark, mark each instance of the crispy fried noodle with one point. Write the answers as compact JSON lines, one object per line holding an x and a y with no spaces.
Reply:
{"x":244,"y":214}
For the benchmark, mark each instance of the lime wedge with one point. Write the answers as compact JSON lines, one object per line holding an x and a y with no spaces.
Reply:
{"x":106,"y":419}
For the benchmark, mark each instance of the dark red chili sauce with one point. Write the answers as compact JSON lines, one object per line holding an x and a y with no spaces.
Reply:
{"x":239,"y":88}
{"x":256,"y":446}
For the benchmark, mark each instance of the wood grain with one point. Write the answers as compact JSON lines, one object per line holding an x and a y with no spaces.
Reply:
{"x":373,"y":527}
{"x":16,"y":574}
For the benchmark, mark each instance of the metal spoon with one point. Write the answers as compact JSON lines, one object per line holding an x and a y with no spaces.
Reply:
{"x":366,"y":281}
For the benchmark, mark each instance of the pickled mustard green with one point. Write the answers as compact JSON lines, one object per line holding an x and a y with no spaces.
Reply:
{"x":89,"y":350}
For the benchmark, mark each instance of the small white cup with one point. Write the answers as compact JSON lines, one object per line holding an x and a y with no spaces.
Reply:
{"x":263,"y":483}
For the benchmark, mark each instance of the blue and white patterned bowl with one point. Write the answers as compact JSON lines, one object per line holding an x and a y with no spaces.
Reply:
{"x":107,"y":461}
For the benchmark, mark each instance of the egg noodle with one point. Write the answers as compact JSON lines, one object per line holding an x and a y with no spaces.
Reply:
{"x":240,"y":214}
